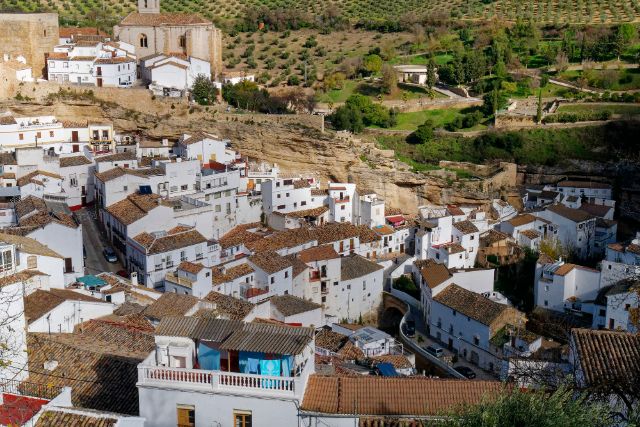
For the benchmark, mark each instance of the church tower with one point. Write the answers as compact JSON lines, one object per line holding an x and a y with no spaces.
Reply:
{"x":148,"y":6}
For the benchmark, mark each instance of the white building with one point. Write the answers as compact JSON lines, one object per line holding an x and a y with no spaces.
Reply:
{"x":588,"y":189}
{"x":57,"y":137}
{"x":359,"y":291}
{"x":174,"y":71}
{"x":290,"y":310}
{"x":93,"y":63}
{"x":236,"y":383}
{"x":621,"y":261}
{"x":576,"y":228}
{"x":61,"y":310}
{"x":465,"y":322}
{"x":562,"y":287}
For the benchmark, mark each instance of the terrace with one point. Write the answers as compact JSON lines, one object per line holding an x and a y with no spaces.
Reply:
{"x":225,"y":356}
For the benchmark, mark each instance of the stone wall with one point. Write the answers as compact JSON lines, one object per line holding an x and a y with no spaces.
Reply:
{"x":508,"y":121}
{"x":31,"y":35}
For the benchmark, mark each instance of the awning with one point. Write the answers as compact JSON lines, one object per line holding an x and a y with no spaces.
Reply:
{"x":91,"y":281}
{"x":395,"y":219}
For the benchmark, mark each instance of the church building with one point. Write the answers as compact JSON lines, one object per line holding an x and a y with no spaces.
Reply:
{"x":154,"y":32}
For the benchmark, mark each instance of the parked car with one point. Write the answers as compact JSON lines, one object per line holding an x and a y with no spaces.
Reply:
{"x":109,"y":254}
{"x":466,"y":371}
{"x":410,"y":328}
{"x":123,"y":273}
{"x":435,"y":351}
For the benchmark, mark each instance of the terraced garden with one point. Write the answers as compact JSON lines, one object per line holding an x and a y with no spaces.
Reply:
{"x":541,"y":11}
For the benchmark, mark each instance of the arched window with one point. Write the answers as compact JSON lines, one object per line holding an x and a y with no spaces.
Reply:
{"x":143,"y":40}
{"x":182,"y":41}
{"x":146,"y":4}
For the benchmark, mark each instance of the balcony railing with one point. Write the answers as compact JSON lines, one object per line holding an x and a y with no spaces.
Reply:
{"x":199,"y":379}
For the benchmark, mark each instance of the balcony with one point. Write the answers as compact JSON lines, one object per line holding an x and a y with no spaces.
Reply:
{"x":218,"y":381}
{"x":344,"y":199}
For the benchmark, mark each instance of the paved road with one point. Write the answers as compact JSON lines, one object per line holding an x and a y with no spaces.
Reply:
{"x":421,"y":331}
{"x":94,"y":243}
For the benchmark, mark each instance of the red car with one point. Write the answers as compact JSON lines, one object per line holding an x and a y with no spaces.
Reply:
{"x":123,"y":273}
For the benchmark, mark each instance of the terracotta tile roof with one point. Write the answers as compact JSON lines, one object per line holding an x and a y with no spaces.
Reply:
{"x":168,"y":63}
{"x":42,"y":218}
{"x":454,"y":210}
{"x":354,"y":266}
{"x":29,"y":204}
{"x":492,"y":236}
{"x":530,"y":234}
{"x":134,"y":207}
{"x":318,"y":192}
{"x":40,"y":302}
{"x":373,"y":395}
{"x":299,"y":266}
{"x":233,"y":308}
{"x":67,"y":32}
{"x":170,"y":304}
{"x":21,"y":276}
{"x":564,"y":269}
{"x":329,"y":340}
{"x":280,"y":240}
{"x":7,"y":158}
{"x":24,"y":180}
{"x":163,"y":19}
{"x":101,"y":376}
{"x":226,"y":275}
{"x":132,"y":332}
{"x":584,"y":184}
{"x":289,"y":305}
{"x":465,"y":227}
{"x":57,"y":55}
{"x":270,"y":338}
{"x":308,"y":212}
{"x":170,"y":242}
{"x":114,"y":60}
{"x":301,"y":183}
{"x":595,"y":210}
{"x":239,"y":235}
{"x":383,"y":230}
{"x":28,"y":245}
{"x":190,"y":267}
{"x":66,"y":162}
{"x":336,"y":231}
{"x":522,"y":220}
{"x":125,"y":155}
{"x":57,"y":417}
{"x":270,"y":262}
{"x":398,"y":361}
{"x":72,"y":124}
{"x":607,"y":357}
{"x":452,"y":248}
{"x":318,"y":253}
{"x":470,"y":304}
{"x":432,"y":272}
{"x":575,"y":215}
{"x":197,"y":136}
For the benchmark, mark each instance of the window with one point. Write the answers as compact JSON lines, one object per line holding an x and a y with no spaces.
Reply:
{"x":125,"y":188}
{"x":32,"y":262}
{"x":476,"y":341}
{"x":51,"y":134}
{"x":627,"y":307}
{"x":68,"y":265}
{"x":546,"y":288}
{"x":21,"y":136}
{"x":303,"y":203}
{"x":6,"y":260}
{"x":286,"y":274}
{"x":453,"y":312}
{"x":364,"y":285}
{"x":342,"y":207}
{"x":546,"y":303}
{"x":184,"y":187}
{"x":183,"y":255}
{"x":472,"y":237}
{"x":182,"y":41}
{"x":186,"y":416}
{"x":272,"y":280}
{"x":281,"y":206}
{"x":143,"y":41}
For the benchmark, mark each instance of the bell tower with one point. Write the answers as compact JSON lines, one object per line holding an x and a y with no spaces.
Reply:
{"x":148,"y":6}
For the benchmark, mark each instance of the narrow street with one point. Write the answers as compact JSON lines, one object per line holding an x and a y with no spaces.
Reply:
{"x":94,"y":262}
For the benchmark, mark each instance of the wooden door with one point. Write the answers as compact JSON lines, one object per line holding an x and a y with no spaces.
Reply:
{"x":74,"y":136}
{"x":99,"y":82}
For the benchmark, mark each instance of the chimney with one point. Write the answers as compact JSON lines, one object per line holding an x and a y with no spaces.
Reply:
{"x":134,"y":278}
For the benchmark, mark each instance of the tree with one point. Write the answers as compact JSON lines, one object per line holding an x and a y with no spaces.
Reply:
{"x":334,"y":81}
{"x":203,"y":90}
{"x":494,"y":101}
{"x":562,"y":62}
{"x":423,"y":134}
{"x":561,"y":408}
{"x":389,"y":79}
{"x":625,"y":34}
{"x":539,"y":112}
{"x":432,"y":76}
{"x":372,"y":64}
{"x":347,"y":118}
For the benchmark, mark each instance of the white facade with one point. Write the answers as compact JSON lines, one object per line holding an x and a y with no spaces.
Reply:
{"x":64,"y":317}
{"x":576,"y":229}
{"x":561,"y":287}
{"x":174,"y":72}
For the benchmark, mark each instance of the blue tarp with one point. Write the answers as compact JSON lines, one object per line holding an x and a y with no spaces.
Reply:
{"x":91,"y":281}
{"x":208,"y":357}
{"x":387,"y":370}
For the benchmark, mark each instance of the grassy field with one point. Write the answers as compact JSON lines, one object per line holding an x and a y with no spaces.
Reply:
{"x":612,"y":141}
{"x":403,"y":92}
{"x":621,"y":109}
{"x":410,"y":121}
{"x":610,"y":79}
{"x":547,"y":11}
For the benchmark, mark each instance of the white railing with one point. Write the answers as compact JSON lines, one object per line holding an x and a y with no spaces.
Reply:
{"x":216,"y":380}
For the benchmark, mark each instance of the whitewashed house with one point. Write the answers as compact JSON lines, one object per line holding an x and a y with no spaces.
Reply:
{"x":564,"y":287}
{"x":173,"y":71}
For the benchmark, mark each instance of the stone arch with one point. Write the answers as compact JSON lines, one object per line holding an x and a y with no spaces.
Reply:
{"x":144,"y":41}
